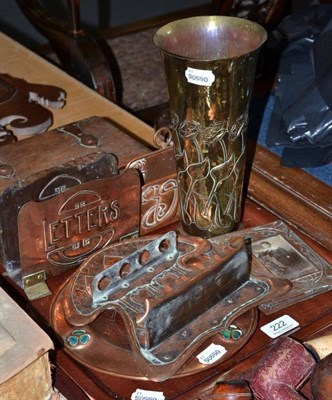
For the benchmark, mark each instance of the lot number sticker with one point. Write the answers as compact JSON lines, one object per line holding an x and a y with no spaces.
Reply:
{"x":211,"y":354}
{"x":141,"y":394}
{"x":200,"y":77}
{"x":279,"y":326}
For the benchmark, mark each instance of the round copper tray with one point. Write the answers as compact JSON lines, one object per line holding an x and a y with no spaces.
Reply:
{"x":109,"y":351}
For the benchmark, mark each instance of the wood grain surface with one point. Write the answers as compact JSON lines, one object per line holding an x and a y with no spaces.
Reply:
{"x":81,"y":102}
{"x":292,"y":195}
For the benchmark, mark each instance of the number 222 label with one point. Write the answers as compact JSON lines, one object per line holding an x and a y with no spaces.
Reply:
{"x":279,"y":326}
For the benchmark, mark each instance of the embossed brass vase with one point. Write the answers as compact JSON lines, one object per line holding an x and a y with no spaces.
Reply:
{"x":210,"y":65}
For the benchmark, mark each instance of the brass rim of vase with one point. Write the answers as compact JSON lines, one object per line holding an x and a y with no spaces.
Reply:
{"x":209,"y":38}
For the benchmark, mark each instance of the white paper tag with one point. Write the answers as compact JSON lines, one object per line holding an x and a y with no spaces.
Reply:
{"x":279,"y":326}
{"x":199,"y":76}
{"x":141,"y":394}
{"x":211,"y":354}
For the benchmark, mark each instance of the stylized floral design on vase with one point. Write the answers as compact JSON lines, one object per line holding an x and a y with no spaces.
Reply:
{"x":210,"y":66}
{"x":210,"y":170}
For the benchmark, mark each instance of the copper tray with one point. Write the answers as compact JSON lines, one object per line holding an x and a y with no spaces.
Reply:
{"x":102,"y":332}
{"x":109,"y":350}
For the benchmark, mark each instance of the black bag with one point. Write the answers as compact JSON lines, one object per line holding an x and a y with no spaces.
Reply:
{"x":301,"y":120}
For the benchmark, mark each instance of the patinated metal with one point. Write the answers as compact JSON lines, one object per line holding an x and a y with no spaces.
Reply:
{"x":84,"y":139}
{"x":46,"y":185}
{"x":171,"y":293}
{"x":159,"y":198}
{"x":281,"y":253}
{"x":210,"y":67}
{"x":6,"y":171}
{"x":59,"y":233}
{"x":49,"y":164}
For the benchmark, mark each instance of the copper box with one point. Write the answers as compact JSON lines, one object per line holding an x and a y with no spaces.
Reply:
{"x":47,"y":165}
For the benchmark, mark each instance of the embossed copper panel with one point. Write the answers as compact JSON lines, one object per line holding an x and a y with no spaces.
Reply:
{"x":171,"y":292}
{"x":61,"y":232}
{"x":39,"y":187}
{"x":159,"y":206}
{"x":50,"y":163}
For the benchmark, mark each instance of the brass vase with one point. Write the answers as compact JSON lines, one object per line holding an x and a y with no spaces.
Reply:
{"x":210,"y":64}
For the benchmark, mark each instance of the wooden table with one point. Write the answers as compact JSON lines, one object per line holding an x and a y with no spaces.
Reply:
{"x":81,"y":101}
{"x":272,"y":192}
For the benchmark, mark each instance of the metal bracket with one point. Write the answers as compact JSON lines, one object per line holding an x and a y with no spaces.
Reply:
{"x":6,"y":171}
{"x":131,"y":235}
{"x":84,"y":139}
{"x":34,"y":285}
{"x":143,"y":261}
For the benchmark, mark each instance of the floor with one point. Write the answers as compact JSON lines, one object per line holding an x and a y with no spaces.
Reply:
{"x":141,"y":70}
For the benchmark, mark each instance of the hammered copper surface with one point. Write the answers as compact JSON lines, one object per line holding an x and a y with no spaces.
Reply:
{"x":40,"y":187}
{"x":110,"y":350}
{"x":59,"y":233}
{"x":281,"y":253}
{"x":171,"y":297}
{"x":159,"y":199}
{"x":52,"y":162}
{"x":210,"y":67}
